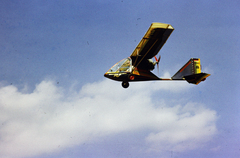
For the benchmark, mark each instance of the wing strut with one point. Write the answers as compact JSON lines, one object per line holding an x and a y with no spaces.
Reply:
{"x":136,"y":58}
{"x":146,"y":53}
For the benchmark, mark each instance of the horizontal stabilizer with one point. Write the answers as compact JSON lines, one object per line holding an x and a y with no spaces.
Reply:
{"x":196,"y":78}
{"x":191,"y":72}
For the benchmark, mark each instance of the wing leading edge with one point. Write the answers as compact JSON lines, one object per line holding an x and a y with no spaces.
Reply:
{"x":151,"y":43}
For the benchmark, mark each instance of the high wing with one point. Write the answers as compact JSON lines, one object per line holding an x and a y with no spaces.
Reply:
{"x":151,"y":43}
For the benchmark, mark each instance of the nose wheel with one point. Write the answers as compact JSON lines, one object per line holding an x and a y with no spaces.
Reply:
{"x":125,"y":84}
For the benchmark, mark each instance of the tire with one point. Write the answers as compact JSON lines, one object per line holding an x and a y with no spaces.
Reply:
{"x":125,"y":84}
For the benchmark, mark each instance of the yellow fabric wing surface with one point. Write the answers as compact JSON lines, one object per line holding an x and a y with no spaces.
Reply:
{"x":152,"y":42}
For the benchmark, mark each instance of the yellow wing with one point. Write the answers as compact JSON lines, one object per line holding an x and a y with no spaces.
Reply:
{"x":151,"y":42}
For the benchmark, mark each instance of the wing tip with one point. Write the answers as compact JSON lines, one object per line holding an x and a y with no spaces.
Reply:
{"x":162,"y":25}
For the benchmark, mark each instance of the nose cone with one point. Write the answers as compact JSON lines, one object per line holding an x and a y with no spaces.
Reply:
{"x":106,"y":75}
{"x":110,"y":76}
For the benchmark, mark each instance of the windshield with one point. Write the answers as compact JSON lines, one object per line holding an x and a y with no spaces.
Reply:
{"x":122,"y":66}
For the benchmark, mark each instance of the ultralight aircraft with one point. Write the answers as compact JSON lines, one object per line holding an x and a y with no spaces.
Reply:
{"x":139,"y":65}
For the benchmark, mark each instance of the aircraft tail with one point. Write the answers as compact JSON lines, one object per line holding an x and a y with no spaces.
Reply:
{"x":191,"y":72}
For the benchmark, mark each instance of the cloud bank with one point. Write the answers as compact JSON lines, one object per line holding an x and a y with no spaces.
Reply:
{"x":50,"y":117}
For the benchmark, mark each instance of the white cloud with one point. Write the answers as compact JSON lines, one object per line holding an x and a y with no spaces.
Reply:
{"x":52,"y":117}
{"x":192,"y":126}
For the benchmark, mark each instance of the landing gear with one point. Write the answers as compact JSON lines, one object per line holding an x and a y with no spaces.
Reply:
{"x":125,"y":84}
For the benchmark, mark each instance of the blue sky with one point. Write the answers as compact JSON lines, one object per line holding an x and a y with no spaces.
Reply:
{"x":55,"y":101}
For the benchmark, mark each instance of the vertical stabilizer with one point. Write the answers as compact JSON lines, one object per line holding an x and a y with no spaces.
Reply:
{"x":191,"y":72}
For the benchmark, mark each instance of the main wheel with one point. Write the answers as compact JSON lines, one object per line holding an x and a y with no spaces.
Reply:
{"x":125,"y":84}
